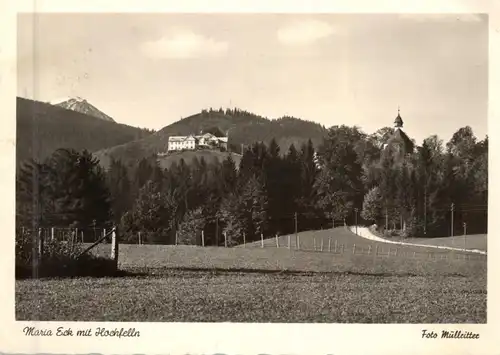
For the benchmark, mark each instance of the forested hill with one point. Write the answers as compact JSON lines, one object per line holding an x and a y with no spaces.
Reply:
{"x":241,"y":126}
{"x":42,"y":128}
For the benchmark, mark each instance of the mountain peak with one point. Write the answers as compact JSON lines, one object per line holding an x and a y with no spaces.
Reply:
{"x":81,"y":105}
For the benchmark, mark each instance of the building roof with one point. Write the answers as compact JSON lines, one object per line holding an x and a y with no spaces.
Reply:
{"x":180,"y":138}
{"x":398,"y":122}
{"x":400,"y":138}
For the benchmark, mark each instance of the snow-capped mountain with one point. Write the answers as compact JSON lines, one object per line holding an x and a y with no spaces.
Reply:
{"x":81,"y":105}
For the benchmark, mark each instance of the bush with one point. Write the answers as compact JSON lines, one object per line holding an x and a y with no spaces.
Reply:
{"x":60,"y":259}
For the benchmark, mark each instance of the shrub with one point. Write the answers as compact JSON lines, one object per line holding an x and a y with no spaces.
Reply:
{"x":60,"y":259}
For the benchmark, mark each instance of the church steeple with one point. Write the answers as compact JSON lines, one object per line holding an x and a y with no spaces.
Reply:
{"x":398,"y":122}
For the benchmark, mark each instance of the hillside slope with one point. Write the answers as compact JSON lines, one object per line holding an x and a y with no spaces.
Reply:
{"x":242,"y":128}
{"x":43,"y":128}
{"x":188,"y":156}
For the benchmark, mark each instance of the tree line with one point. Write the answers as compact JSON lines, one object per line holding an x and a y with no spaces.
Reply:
{"x":351,"y":177}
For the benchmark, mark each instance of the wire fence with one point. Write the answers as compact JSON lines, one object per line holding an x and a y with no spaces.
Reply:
{"x":67,"y":234}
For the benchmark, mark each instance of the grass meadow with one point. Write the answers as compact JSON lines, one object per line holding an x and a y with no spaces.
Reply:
{"x":270,"y":284}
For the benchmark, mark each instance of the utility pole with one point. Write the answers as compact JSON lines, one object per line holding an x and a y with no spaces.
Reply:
{"x":386,"y":219}
{"x":296,"y":230}
{"x":452,"y":213}
{"x":216,"y":231}
{"x":356,"y":219}
{"x":465,"y":235}
{"x":425,"y":210}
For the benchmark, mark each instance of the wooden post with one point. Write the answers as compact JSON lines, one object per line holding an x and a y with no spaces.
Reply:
{"x":396,"y":254}
{"x":277,"y":241}
{"x":176,"y":237}
{"x":244,"y":240}
{"x":298,"y":242}
{"x":81,"y":234}
{"x":40,"y":247}
{"x":376,"y":250}
{"x":114,"y":248}
{"x":335,"y":246}
{"x":329,"y":244}
{"x":314,"y":243}
{"x":261,"y":240}
{"x":52,"y":234}
{"x":139,"y":236}
{"x":76,"y":235}
{"x":296,"y":232}
{"x":354,"y":249}
{"x":321,"y":243}
{"x":217,"y":232}
{"x":202,"y":238}
{"x":35,"y":242}
{"x":225,"y":239}
{"x":452,"y":210}
{"x":289,"y":242}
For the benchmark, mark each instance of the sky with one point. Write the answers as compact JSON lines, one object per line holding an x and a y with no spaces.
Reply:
{"x":150,"y":70}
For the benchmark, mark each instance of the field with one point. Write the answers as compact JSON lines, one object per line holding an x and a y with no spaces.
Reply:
{"x":246,"y":297}
{"x":189,"y":283}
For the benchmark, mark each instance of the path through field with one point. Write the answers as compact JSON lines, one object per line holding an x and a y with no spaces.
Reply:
{"x":445,"y":243}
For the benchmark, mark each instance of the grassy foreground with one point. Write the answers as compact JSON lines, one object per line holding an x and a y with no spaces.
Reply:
{"x":270,"y":284}
{"x":254,"y":297}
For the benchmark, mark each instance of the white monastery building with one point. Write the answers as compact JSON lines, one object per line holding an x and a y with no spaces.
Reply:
{"x":191,"y":142}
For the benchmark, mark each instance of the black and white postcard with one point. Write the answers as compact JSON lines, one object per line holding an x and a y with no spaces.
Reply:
{"x":249,"y":178}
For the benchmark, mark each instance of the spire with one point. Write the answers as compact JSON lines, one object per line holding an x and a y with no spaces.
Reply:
{"x":398,"y":122}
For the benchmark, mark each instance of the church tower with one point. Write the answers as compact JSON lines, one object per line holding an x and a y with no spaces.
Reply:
{"x":399,"y":142}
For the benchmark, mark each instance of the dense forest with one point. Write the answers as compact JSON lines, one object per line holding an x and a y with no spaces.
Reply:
{"x":243,"y":128}
{"x":42,"y":128}
{"x":351,"y":177}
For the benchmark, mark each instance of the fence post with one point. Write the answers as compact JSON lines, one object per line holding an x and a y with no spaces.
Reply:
{"x":52,"y":233}
{"x":314,"y":243}
{"x":225,"y":239}
{"x":335,"y":246}
{"x":321,"y":243}
{"x":35,"y":241}
{"x":114,"y":248}
{"x":329,"y":243}
{"x":298,"y":242}
{"x":139,"y":237}
{"x":354,"y":249}
{"x":289,"y":242}
{"x":76,"y":235}
{"x":277,"y":241}
{"x":176,"y":237}
{"x":202,"y":239}
{"x":261,"y":240}
{"x":40,"y":247}
{"x":244,"y":240}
